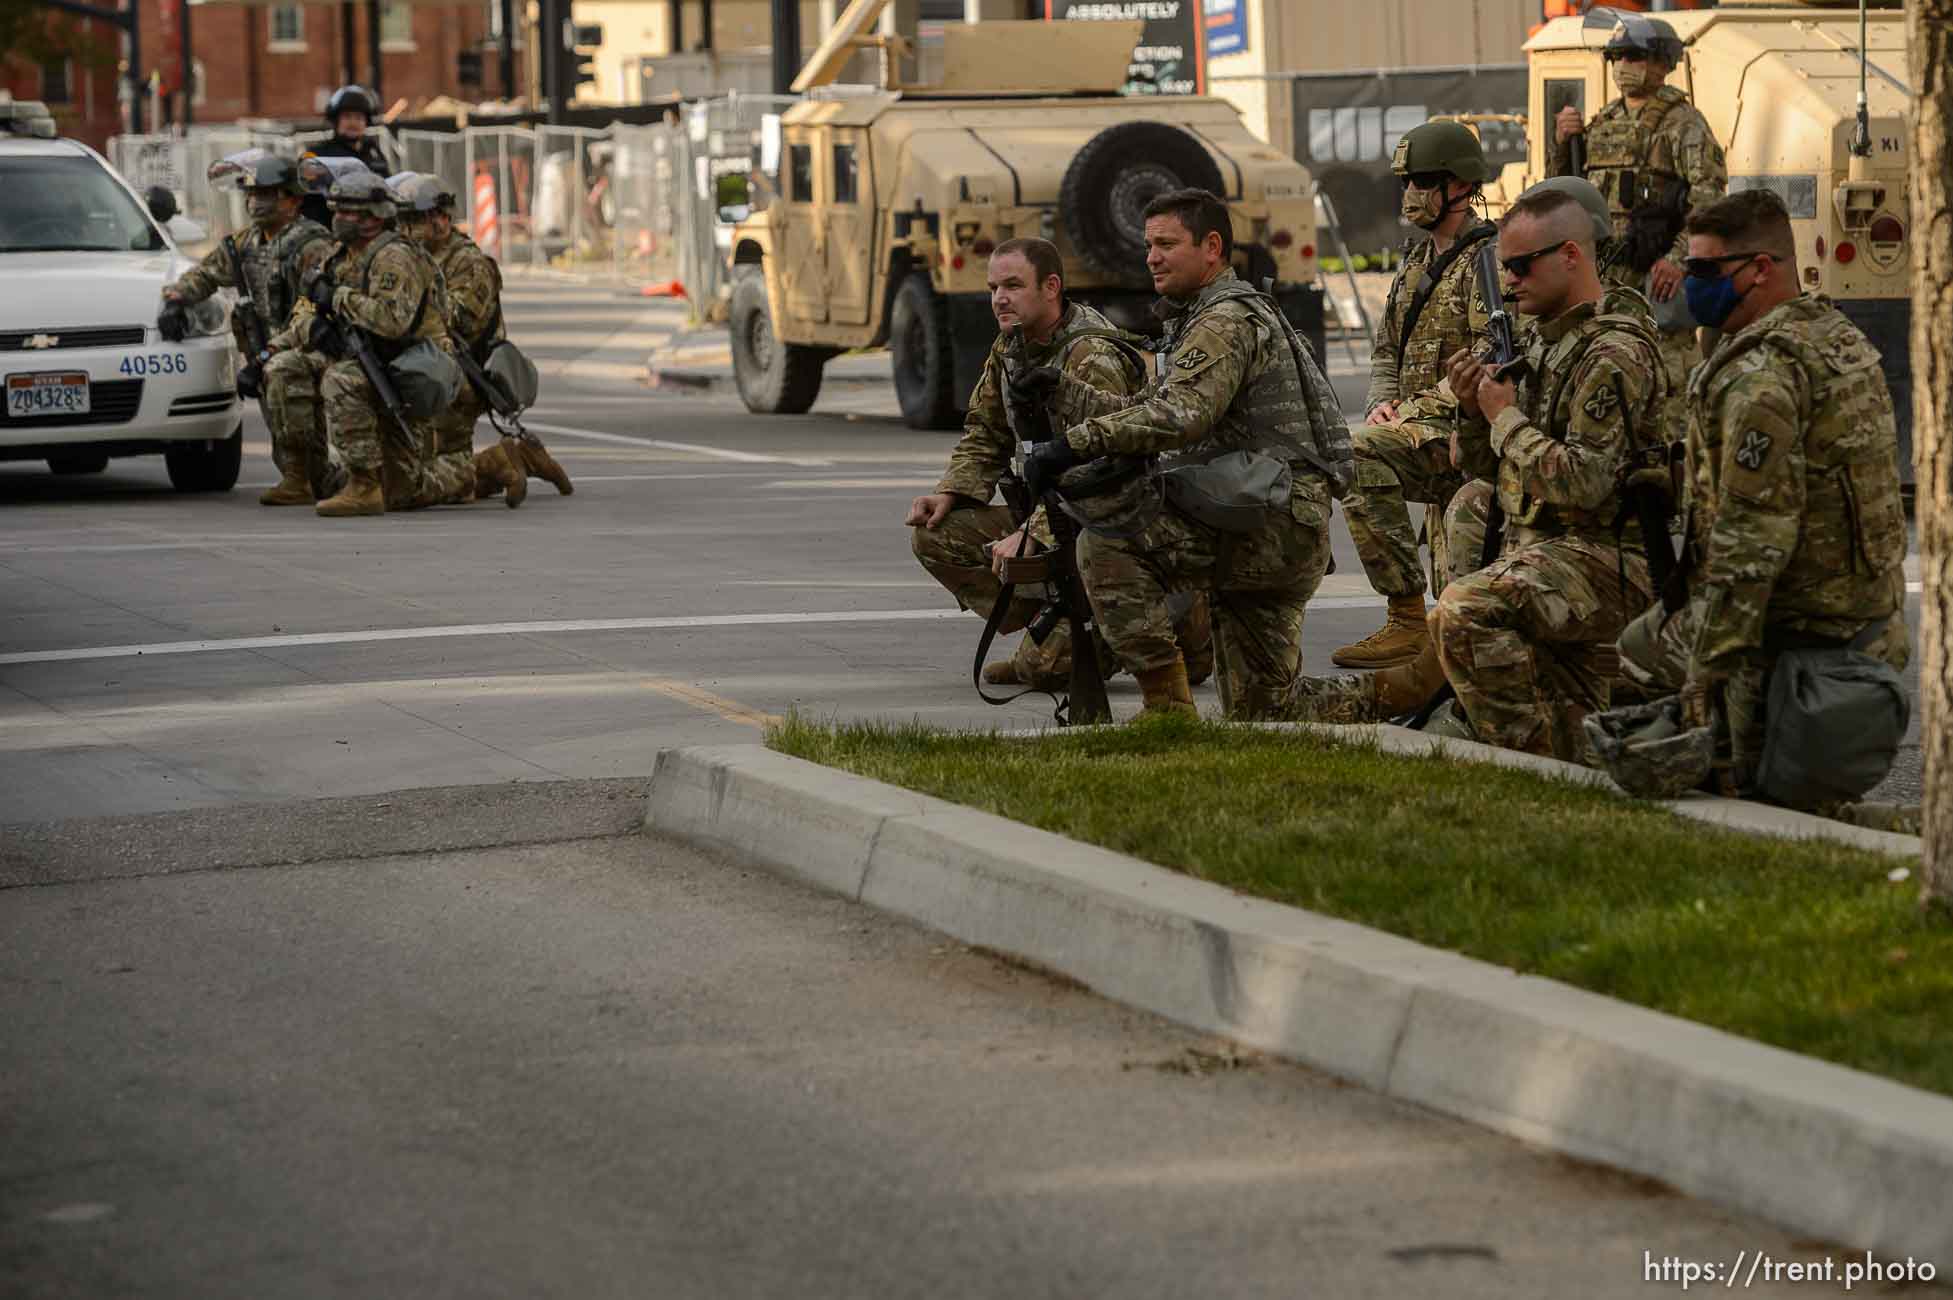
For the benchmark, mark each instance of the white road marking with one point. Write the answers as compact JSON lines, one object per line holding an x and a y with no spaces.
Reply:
{"x":720,"y":453}
{"x":851,"y":483}
{"x":476,"y":629}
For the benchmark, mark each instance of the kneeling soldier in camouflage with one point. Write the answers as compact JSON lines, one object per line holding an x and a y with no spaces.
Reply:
{"x":1796,"y":533}
{"x":276,"y":253}
{"x":958,"y":537}
{"x":375,"y":282}
{"x":1244,"y":422}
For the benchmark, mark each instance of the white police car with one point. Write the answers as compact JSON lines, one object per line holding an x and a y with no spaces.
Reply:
{"x":85,"y":374}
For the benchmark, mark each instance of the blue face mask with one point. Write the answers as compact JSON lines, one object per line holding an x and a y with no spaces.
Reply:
{"x":1711,"y":301}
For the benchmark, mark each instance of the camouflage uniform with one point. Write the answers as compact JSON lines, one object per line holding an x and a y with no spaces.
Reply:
{"x":1227,"y":380}
{"x":1796,"y":530}
{"x":1631,"y":155}
{"x":393,"y":293}
{"x":474,"y":316}
{"x":953,"y":551}
{"x":1410,"y":459}
{"x":274,"y":265}
{"x":1528,"y":642}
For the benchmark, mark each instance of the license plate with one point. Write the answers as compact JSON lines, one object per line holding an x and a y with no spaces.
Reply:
{"x":47,"y":394}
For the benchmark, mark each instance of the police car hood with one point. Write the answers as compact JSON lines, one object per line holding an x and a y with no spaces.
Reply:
{"x":71,"y":290}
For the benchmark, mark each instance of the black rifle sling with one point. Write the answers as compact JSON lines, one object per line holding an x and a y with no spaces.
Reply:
{"x":1435,"y":275}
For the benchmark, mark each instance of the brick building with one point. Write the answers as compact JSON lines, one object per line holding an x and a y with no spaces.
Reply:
{"x":277,"y":61}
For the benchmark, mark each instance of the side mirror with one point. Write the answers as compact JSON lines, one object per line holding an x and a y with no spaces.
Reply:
{"x":185,"y":231}
{"x":162,"y":204}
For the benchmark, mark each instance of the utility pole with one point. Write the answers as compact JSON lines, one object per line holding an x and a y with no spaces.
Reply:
{"x":677,"y":26}
{"x":189,"y":65}
{"x":786,"y":45}
{"x":373,"y":56}
{"x":507,"y":50}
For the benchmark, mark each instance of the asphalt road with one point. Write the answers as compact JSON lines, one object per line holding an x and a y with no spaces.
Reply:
{"x":611,"y":1067}
{"x":161,"y":652}
{"x":487,"y":1041}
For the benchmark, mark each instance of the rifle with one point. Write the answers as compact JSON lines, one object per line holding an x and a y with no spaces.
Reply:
{"x":1502,"y":354}
{"x":250,"y":378}
{"x":1085,"y":700}
{"x":337,"y":338}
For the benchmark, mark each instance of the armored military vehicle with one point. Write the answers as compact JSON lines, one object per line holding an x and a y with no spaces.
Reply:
{"x":892,"y":199}
{"x":1779,"y":84}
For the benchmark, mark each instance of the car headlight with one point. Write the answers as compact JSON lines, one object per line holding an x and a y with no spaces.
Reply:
{"x":205,"y":318}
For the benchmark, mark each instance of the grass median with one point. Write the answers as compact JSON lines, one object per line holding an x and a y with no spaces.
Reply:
{"x":1808,"y":946}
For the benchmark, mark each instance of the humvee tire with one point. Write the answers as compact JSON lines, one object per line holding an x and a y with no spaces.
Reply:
{"x":1112,"y":179}
{"x":774,"y":378}
{"x":924,"y":359}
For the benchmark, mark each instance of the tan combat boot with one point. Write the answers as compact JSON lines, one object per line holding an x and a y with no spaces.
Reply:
{"x":1402,"y":638}
{"x":1407,"y":687}
{"x":362,"y":495}
{"x":506,"y":469}
{"x":535,"y":458}
{"x":1166,"y":692}
{"x":293,"y":489}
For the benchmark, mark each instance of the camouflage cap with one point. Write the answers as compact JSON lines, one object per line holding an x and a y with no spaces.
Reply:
{"x":1586,"y":195}
{"x":1648,"y":752}
{"x":1442,"y":147}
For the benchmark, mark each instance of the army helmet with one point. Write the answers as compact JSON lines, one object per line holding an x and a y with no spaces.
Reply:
{"x":1450,"y":147}
{"x":1637,"y":37}
{"x":256,"y":169}
{"x":1648,"y":751}
{"x":361,"y":191}
{"x":420,"y":192}
{"x":1586,"y":194}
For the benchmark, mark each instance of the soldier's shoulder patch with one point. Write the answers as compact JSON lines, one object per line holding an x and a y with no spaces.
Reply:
{"x":1601,"y":402}
{"x":388,"y":281}
{"x":1192,"y":359}
{"x":1753,"y":450}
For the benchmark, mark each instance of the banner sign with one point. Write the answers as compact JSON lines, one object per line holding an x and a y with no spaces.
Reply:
{"x":1227,"y":26}
{"x":1169,"y":59}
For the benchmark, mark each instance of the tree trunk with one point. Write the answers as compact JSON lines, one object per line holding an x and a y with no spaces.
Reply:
{"x":1931,"y":35}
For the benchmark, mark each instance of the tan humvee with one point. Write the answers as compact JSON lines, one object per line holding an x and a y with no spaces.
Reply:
{"x":1779,"y":86}
{"x":891,"y":201}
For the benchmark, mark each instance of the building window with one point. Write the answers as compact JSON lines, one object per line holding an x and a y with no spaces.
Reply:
{"x":54,"y":83}
{"x":396,"y":25}
{"x":288,"y":26}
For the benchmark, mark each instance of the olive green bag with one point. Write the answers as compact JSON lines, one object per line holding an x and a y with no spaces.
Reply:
{"x":426,"y":378}
{"x":1833,"y":723}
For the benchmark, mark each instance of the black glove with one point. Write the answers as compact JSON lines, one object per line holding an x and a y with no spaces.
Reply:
{"x":250,"y":382}
{"x":173,"y":322}
{"x":1044,"y":462}
{"x":319,"y":291}
{"x":1035,"y":384}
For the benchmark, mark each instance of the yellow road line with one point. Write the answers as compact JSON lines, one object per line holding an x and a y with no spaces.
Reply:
{"x":730,"y":710}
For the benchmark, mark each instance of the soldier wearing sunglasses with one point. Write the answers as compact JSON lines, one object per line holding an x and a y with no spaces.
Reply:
{"x":1796,"y":533}
{"x":1527,"y":643}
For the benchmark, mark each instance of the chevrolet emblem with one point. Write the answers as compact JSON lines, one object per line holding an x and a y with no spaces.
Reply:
{"x":43,"y":341}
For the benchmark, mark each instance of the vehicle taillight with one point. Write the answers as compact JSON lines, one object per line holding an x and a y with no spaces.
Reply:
{"x":1308,"y":250}
{"x":1887,"y":230}
{"x":983,"y":247}
{"x":1847,"y":252}
{"x":1281,"y":239}
{"x":956,"y":263}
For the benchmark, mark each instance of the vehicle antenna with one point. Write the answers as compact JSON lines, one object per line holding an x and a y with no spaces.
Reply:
{"x":1861,"y":137}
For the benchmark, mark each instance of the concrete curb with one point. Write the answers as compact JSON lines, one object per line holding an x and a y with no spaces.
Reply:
{"x":1828,"y":1151}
